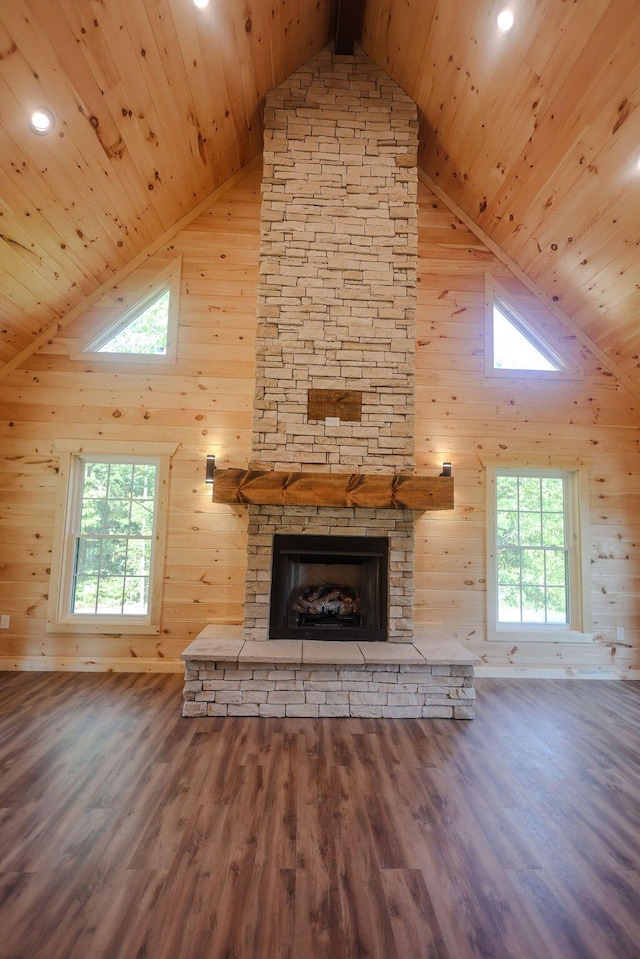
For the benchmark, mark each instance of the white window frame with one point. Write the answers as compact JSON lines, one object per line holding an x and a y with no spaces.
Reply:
{"x":577,"y":513}
{"x":71,"y":457}
{"x":168,"y":279}
{"x":545,"y":342}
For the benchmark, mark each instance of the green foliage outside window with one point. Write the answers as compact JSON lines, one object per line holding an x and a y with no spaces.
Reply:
{"x":533,"y":582}
{"x":146,"y":334}
{"x":114,"y":542}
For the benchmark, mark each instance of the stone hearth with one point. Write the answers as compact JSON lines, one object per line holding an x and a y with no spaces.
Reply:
{"x":228,"y":676}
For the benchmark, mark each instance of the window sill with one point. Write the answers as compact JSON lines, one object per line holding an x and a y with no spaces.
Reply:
{"x":543,"y":634}
{"x":112,"y":627}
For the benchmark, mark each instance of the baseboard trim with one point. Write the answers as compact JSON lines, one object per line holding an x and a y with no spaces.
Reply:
{"x":545,"y":672}
{"x":97,"y":665}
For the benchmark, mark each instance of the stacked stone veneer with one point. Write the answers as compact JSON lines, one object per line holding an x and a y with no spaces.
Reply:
{"x":339,"y":248}
{"x":376,"y":691}
{"x":336,"y":306}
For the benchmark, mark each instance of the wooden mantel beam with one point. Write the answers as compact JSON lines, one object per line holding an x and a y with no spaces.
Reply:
{"x":373,"y":491}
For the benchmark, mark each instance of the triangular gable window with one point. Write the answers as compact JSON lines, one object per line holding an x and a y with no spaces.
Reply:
{"x":147,"y":329}
{"x":515,"y":346}
{"x":143,"y":329}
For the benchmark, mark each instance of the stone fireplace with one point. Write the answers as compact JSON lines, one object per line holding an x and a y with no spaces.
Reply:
{"x":332,"y":454}
{"x":395,"y":526}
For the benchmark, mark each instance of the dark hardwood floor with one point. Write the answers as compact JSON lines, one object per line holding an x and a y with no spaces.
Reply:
{"x":128,"y":832}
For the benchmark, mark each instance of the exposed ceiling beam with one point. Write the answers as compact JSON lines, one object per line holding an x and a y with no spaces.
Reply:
{"x":349,"y":25}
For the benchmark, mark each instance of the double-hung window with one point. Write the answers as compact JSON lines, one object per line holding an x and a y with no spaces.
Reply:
{"x":536,"y":577}
{"x":110,"y":542}
{"x":112,"y":536}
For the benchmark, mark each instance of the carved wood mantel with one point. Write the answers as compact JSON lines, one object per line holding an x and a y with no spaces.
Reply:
{"x":373,"y":491}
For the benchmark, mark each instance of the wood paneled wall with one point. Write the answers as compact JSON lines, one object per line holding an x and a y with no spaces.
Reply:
{"x":465,"y":417}
{"x":204,"y":401}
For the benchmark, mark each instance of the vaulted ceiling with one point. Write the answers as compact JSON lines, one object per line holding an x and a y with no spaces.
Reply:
{"x":533,"y":135}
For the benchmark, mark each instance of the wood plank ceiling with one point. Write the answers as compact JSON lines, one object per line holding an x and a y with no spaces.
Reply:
{"x":533,"y":134}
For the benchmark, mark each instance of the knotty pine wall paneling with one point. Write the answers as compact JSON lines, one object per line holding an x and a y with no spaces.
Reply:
{"x":462,"y":416}
{"x":204,"y":403}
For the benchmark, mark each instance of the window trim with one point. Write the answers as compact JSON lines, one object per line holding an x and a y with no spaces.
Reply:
{"x":168,"y":279}
{"x":578,"y":630}
{"x":59,"y":616}
{"x":545,"y":342}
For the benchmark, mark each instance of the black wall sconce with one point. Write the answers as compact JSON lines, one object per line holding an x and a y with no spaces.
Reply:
{"x":446,"y":469}
{"x":211,"y":468}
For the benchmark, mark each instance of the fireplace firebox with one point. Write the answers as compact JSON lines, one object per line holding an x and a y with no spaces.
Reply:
{"x":329,"y":588}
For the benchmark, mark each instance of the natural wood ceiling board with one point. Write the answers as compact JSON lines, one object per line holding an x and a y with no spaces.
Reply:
{"x":142,"y":126}
{"x":569,"y":224}
{"x":168,"y":96}
{"x":600,"y":325}
{"x":28,"y":230}
{"x":80,"y":47}
{"x":238,"y":69}
{"x":13,"y":339}
{"x":492,"y":87}
{"x":15,"y":280}
{"x":476,"y":169}
{"x":498,"y":114}
{"x":215,"y":117}
{"x":607,"y":252}
{"x":623,"y":339}
{"x":612,"y":302}
{"x":16,"y":325}
{"x":75,"y":152}
{"x":585,"y":92}
{"x":7,"y":352}
{"x":607,"y":277}
{"x":251,"y":27}
{"x":50,"y":210}
{"x":515,"y":98}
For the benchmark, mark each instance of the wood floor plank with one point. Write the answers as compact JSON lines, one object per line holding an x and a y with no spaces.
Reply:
{"x":129,"y":832}
{"x":416,"y":929}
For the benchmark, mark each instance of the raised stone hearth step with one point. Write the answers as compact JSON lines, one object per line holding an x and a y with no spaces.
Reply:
{"x":228,"y":676}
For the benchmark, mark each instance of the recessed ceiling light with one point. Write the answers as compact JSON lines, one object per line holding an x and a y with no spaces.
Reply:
{"x":201,"y":4}
{"x":41,"y":121}
{"x":505,"y":21}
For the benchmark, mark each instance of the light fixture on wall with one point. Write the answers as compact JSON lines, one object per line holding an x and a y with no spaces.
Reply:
{"x":211,"y":468}
{"x":446,"y":469}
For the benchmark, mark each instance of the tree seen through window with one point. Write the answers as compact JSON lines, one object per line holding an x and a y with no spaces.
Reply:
{"x":146,"y":333}
{"x":114,"y":541}
{"x":532,"y":549}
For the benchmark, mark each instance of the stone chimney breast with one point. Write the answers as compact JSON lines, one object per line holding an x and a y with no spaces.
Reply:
{"x":336,"y":300}
{"x":336,"y":310}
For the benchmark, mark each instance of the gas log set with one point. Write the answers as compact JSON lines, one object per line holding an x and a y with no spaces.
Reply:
{"x":326,"y":603}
